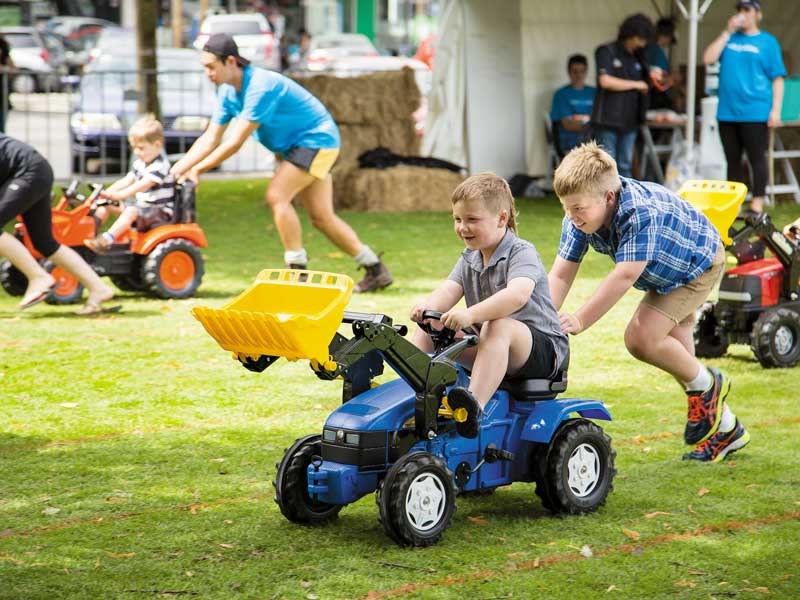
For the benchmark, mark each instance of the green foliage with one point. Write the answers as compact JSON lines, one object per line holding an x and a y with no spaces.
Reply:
{"x":136,"y":457}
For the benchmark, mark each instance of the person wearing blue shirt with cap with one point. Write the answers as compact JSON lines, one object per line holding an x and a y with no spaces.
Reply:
{"x":291,"y":122}
{"x":750,"y":93}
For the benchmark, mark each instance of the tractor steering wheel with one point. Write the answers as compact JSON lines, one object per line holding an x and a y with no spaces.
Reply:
{"x":441,"y":337}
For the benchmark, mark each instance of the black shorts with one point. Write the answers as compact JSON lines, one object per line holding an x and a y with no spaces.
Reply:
{"x":541,"y":363}
{"x":28,"y":195}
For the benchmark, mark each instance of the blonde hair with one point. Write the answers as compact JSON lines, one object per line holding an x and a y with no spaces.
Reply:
{"x":492,"y":191}
{"x":587,"y":169}
{"x":146,"y":129}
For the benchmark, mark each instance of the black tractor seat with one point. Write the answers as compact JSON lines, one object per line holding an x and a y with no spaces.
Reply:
{"x":536,"y":389}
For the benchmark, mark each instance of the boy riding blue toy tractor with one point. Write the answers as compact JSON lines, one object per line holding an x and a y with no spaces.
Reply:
{"x":400,"y":438}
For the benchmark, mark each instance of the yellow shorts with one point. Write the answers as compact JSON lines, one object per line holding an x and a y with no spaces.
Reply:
{"x":680,"y":304}
{"x":317,"y":161}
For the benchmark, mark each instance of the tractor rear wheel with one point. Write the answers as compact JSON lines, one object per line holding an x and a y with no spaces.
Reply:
{"x":69,"y":290}
{"x":775,"y":338}
{"x":174,"y":269}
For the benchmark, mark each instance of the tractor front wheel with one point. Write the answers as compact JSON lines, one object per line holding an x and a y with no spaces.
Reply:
{"x":12,"y":279}
{"x":775,"y":338}
{"x":580,"y":468}
{"x":709,"y":340}
{"x":69,"y":289}
{"x":417,"y":500}
{"x":291,"y":484}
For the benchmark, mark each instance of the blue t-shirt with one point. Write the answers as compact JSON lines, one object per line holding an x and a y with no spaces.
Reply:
{"x":289,"y":115}
{"x":569,"y":101}
{"x":654,"y":225}
{"x":748,"y":64}
{"x":656,"y":56}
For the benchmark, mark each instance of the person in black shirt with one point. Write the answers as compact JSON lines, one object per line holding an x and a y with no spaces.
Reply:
{"x":26,"y":180}
{"x":621,"y":101}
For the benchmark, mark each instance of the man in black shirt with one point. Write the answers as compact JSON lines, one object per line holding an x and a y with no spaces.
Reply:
{"x":26,"y":180}
{"x":5,"y":65}
{"x":621,"y":101}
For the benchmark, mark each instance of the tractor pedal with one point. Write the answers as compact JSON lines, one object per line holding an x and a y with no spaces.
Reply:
{"x":493,"y":453}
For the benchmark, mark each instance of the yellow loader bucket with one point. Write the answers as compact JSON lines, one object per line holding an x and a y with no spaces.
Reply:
{"x":284,"y":312}
{"x":718,"y":200}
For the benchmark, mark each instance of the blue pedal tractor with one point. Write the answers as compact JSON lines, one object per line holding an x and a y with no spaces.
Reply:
{"x":400,"y":438}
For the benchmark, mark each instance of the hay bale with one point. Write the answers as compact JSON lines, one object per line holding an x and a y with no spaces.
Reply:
{"x":399,"y":189}
{"x":373,"y":98}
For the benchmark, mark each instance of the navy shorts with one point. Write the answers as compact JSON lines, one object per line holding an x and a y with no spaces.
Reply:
{"x":541,"y":363}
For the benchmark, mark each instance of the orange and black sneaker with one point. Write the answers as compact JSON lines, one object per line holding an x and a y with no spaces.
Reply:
{"x":705,"y":409}
{"x":720,"y":445}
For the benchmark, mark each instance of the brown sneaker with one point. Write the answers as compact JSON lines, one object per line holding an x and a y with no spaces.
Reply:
{"x":377,"y":277}
{"x":98,"y":244}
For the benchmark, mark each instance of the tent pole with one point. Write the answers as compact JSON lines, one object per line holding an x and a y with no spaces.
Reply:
{"x":691,"y":84}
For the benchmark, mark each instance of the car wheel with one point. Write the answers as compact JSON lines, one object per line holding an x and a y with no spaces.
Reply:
{"x":24,"y":83}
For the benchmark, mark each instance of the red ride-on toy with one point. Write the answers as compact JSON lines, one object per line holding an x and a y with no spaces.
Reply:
{"x":759,"y":299}
{"x":159,"y":258}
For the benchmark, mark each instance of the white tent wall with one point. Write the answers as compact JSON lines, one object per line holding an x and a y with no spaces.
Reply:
{"x":515,"y":58}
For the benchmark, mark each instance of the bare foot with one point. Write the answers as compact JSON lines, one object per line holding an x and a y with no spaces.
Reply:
{"x":38,"y":289}
{"x":100,"y":295}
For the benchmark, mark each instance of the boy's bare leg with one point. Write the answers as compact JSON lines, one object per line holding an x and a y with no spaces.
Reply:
{"x":504,"y":346}
{"x":289,"y":180}
{"x":124,"y":222}
{"x":649,"y":338}
{"x":317,"y":199}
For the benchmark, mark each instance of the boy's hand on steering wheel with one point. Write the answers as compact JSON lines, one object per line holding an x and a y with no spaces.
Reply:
{"x":416,"y":312}
{"x":457,"y":319}
{"x":109,"y":195}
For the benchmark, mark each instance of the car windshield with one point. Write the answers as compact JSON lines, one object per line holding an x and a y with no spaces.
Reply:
{"x":21,"y":40}
{"x":174,"y":73}
{"x":243,"y":27}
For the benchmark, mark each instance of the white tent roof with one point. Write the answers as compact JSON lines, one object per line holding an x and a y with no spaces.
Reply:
{"x":498,"y":64}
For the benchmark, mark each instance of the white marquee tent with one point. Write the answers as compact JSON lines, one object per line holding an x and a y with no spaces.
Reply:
{"x":498,"y":63}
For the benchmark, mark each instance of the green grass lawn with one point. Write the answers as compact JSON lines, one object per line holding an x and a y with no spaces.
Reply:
{"x":136,"y":457}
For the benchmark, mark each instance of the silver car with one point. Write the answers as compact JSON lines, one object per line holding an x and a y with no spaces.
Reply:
{"x":252,"y":35}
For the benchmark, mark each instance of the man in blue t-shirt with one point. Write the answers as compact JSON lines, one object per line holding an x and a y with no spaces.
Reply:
{"x":288,"y":120}
{"x":750,"y":93}
{"x":572,"y":105}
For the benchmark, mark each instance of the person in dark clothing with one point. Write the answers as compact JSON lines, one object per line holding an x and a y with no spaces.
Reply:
{"x":6,"y":64}
{"x":622,"y":88}
{"x":26,"y":180}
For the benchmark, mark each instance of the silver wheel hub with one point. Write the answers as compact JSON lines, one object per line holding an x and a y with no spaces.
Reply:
{"x":425,"y":501}
{"x":784,"y":340}
{"x":584,"y":470}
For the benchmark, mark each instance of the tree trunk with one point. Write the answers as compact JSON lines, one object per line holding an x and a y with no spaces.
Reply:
{"x":146,"y":57}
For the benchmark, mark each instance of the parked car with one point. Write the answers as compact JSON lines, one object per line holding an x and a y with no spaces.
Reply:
{"x":114,"y":40}
{"x":78,"y":35}
{"x":107,"y":103}
{"x":326,"y":48}
{"x":252,"y":35}
{"x":39,"y":57}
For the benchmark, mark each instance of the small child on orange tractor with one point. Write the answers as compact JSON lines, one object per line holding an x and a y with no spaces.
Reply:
{"x":149,"y":182}
{"x":665,"y":247}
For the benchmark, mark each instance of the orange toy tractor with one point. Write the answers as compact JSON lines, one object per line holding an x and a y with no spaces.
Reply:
{"x":162,"y":259}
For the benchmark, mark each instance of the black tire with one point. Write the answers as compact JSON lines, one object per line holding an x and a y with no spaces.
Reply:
{"x":775,"y":338}
{"x":580,"y":467}
{"x":709,"y":340}
{"x":417,"y":500}
{"x":544,"y":488}
{"x":69,"y":291}
{"x":291,"y":484}
{"x":132,"y":282}
{"x":12,"y":279}
{"x":184,"y":254}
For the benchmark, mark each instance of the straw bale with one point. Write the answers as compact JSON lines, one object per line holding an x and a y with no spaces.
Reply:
{"x":372,"y":98}
{"x":399,"y":189}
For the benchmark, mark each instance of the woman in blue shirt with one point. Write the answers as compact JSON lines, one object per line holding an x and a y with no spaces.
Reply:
{"x":750,"y":93}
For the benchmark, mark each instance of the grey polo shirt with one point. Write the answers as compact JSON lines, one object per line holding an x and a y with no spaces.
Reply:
{"x":513,"y":258}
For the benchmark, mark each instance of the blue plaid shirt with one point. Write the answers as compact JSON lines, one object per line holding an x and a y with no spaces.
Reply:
{"x":650,"y":224}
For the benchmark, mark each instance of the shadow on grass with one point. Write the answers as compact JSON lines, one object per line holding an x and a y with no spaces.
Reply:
{"x":11,"y":442}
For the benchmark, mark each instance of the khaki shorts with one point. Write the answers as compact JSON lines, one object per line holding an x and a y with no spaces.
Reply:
{"x":680,"y":304}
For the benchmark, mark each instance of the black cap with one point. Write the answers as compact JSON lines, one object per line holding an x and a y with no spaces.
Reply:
{"x":749,"y":4}
{"x":223,"y":46}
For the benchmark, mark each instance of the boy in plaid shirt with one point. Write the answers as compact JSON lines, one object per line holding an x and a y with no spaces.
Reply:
{"x":664,"y":247}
